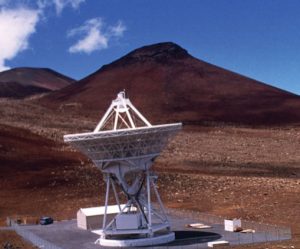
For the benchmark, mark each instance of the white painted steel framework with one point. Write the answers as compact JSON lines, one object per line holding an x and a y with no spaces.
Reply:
{"x":124,"y":146}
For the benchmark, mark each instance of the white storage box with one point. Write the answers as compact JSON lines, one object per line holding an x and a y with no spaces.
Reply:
{"x":128,"y":221}
{"x":218,"y":243}
{"x":233,"y":225}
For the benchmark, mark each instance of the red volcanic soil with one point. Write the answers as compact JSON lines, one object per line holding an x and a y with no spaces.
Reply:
{"x":25,"y":154}
{"x":22,"y":82}
{"x":229,"y":171}
{"x":16,"y":90}
{"x":38,"y":176}
{"x":11,"y":240}
{"x":168,"y":84}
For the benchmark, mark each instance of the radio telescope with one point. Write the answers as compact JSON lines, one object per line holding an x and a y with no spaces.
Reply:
{"x":124,"y":146}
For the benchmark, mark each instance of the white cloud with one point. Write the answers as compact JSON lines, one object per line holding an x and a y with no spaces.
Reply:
{"x":95,"y":35}
{"x":16,"y":26}
{"x":118,"y":30}
{"x":61,"y":4}
{"x":17,"y":23}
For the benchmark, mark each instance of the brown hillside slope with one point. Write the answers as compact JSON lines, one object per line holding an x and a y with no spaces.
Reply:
{"x":23,"y":151}
{"x":168,"y":84}
{"x":18,"y":91}
{"x":37,"y":174}
{"x":22,"y":82}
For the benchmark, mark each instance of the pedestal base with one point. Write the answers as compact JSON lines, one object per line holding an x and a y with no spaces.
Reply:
{"x":155,"y":240}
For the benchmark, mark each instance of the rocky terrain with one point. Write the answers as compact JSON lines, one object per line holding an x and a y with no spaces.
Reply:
{"x":251,"y":173}
{"x":11,"y":240}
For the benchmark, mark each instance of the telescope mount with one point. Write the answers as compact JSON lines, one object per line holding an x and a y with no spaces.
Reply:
{"x":124,"y":146}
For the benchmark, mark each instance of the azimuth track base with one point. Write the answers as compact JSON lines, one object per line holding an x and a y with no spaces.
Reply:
{"x":156,"y":240}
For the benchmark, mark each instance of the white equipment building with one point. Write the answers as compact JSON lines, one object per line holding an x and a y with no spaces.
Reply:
{"x":124,"y":146}
{"x":90,"y":218}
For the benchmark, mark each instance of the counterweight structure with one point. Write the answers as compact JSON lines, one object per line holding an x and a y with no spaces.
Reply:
{"x":124,"y":146}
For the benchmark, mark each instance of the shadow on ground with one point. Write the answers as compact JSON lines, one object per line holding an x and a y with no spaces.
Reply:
{"x":184,"y":238}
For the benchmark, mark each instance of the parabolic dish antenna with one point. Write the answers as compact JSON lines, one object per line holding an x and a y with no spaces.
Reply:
{"x":124,"y":146}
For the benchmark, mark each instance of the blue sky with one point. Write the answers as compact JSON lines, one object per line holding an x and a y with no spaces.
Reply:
{"x":256,"y":38}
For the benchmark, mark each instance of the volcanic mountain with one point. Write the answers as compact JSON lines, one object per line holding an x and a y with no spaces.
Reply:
{"x":168,"y":84}
{"x":22,"y":82}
